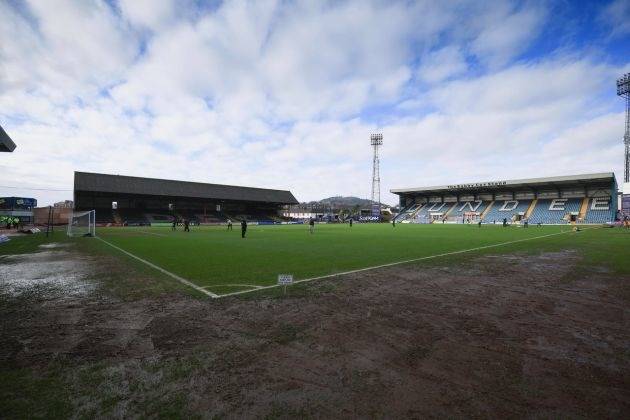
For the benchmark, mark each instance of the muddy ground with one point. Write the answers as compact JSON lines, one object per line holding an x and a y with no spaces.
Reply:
{"x":508,"y":336}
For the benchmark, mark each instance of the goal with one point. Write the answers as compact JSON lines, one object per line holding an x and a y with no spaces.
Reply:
{"x":82,"y":224}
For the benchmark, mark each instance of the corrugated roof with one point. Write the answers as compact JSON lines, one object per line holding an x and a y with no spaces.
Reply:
{"x":120,"y":184}
{"x":6,"y":144}
{"x":514,"y":183}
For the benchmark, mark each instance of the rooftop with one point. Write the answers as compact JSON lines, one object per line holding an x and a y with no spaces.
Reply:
{"x":6,"y":144}
{"x":121,"y":184}
{"x":604,"y":178}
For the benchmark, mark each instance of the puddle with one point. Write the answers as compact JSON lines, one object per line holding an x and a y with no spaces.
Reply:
{"x":48,"y":273}
{"x":54,"y":245}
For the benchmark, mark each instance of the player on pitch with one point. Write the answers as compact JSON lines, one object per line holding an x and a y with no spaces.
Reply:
{"x":311,"y":225}
{"x":243,"y":228}
{"x":229,"y":222}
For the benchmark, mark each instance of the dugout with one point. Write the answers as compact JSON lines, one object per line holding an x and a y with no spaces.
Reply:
{"x":130,"y":200}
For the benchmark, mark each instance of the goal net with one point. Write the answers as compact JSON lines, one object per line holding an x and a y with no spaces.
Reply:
{"x":82,"y":224}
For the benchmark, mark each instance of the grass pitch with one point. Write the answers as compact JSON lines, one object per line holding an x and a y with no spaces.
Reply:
{"x":221,"y":262}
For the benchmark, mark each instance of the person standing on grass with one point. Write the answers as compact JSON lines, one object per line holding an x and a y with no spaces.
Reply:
{"x":174,"y":227}
{"x":504,"y":221}
{"x":394,"y":222}
{"x":186,"y":225}
{"x":479,"y":223}
{"x":229,"y":222}
{"x":311,"y":225}
{"x":351,"y":222}
{"x":243,"y":228}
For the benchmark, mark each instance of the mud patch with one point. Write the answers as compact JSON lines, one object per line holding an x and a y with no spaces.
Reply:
{"x":497,"y":336}
{"x":50,"y":274}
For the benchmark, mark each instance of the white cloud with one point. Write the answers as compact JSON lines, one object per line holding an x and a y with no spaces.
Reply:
{"x":285,"y":95}
{"x":616,"y":15}
{"x":442,"y":64}
{"x":506,"y":31}
{"x":150,"y":14}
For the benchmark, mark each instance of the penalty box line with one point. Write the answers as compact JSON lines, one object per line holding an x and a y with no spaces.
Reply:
{"x":168,"y":273}
{"x":376,"y":267}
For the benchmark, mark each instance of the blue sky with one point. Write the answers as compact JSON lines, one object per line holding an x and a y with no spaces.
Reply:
{"x":284,"y":94}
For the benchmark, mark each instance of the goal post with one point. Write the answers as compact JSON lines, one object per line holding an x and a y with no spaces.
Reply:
{"x":82,"y":223}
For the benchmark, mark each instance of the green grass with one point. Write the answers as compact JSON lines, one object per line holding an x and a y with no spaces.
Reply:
{"x":221,"y":260}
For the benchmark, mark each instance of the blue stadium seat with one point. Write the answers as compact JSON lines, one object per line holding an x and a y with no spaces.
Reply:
{"x":467,"y":206}
{"x":602,"y":213}
{"x":496,"y":214}
{"x":548,"y":212}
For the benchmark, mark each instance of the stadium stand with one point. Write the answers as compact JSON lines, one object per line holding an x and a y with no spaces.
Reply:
{"x":599,"y":210}
{"x":461,"y":208}
{"x":554,"y":211}
{"x":408,"y":212}
{"x":142,"y":201}
{"x":550,"y":200}
{"x":133,"y":217}
{"x":505,"y":209}
{"x":431,"y":211}
{"x":104,"y":216}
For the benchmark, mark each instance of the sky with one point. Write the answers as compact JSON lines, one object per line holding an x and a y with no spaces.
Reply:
{"x":285,"y":94}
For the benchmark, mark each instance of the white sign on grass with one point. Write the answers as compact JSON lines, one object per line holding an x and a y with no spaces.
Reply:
{"x":285,"y":279}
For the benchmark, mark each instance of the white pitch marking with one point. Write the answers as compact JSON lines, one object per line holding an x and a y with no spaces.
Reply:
{"x":152,"y":233}
{"x":401,"y":262}
{"x":253,"y":286}
{"x":168,"y":273}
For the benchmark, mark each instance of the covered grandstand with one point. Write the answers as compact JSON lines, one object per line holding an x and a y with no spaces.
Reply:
{"x":588,"y":198}
{"x":128,"y":200}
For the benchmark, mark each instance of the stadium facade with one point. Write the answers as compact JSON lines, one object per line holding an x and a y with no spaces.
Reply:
{"x":588,"y":198}
{"x":129,"y":200}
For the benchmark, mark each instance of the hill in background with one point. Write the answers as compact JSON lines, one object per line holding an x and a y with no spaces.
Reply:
{"x":344,"y":202}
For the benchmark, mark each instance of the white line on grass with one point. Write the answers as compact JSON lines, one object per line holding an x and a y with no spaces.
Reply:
{"x":253,"y":286}
{"x":360,"y":270}
{"x":153,"y":233}
{"x":168,"y":273}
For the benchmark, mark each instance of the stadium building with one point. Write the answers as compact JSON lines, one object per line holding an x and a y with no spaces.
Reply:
{"x":589,"y":198}
{"x":128,"y":200}
{"x":18,"y":208}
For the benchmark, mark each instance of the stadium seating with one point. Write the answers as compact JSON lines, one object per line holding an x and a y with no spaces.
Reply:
{"x":159,"y":218}
{"x":599,"y":211}
{"x":424,"y":214}
{"x":407,"y":212}
{"x":467,"y":206}
{"x":210,"y":218}
{"x":554,"y":211}
{"x":505,"y":209}
{"x":133,"y":217}
{"x":104,"y":216}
